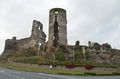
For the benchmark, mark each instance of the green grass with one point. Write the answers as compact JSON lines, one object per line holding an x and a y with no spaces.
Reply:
{"x":54,"y":71}
{"x":31,"y":60}
{"x":45,"y":61}
{"x":43,"y":70}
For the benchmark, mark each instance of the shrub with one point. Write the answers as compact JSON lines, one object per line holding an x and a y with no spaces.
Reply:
{"x":89,"y":73}
{"x":77,"y":43}
{"x":60,"y":56}
{"x":88,"y":66}
{"x":78,"y":56}
{"x":62,"y":63}
{"x":115,"y":73}
{"x":70,"y":66}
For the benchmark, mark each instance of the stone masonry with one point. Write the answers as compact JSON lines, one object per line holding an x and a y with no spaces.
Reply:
{"x":57,"y":27}
{"x":37,"y":36}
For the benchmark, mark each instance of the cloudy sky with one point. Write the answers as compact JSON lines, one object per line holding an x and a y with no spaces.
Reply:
{"x":94,"y":20}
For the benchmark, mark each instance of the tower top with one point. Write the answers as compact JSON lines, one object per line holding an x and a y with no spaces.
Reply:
{"x":57,"y":9}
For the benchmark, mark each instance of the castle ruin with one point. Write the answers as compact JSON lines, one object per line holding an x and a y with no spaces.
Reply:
{"x":57,"y":38}
{"x":57,"y":34}
{"x":38,"y":36}
{"x":57,"y":27}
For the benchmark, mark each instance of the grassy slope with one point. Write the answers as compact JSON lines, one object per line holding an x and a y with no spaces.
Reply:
{"x":6,"y":65}
{"x":53,"y":71}
{"x":38,"y":60}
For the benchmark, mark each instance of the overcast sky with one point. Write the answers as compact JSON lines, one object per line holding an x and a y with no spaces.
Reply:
{"x":94,"y":20}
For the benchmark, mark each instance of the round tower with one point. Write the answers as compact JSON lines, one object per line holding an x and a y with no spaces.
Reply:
{"x":57,"y":27}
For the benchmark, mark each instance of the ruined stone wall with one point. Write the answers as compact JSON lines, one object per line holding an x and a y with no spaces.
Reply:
{"x":57,"y":27}
{"x":37,"y":36}
{"x":25,"y":43}
{"x":10,"y":47}
{"x":37,"y":33}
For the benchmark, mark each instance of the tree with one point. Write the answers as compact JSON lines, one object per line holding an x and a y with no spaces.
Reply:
{"x":77,"y":43}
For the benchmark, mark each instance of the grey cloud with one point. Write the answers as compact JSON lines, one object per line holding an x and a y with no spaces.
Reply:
{"x":100,"y":22}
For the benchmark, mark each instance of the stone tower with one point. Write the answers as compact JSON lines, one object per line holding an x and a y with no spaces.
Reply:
{"x":57,"y":27}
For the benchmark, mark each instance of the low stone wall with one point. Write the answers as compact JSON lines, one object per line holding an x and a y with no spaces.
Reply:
{"x":81,"y":69}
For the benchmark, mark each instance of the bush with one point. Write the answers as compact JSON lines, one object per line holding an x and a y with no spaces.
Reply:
{"x":62,"y":63}
{"x":115,"y":73}
{"x":60,"y":56}
{"x":70,"y":66}
{"x":88,"y":66}
{"x":89,"y":73}
{"x":77,"y":43}
{"x":78,"y":56}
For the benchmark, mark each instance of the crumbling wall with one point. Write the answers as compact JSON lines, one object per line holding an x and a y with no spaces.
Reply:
{"x":25,"y":43}
{"x":57,"y":27}
{"x":10,"y":47}
{"x":37,"y":36}
{"x":37,"y":33}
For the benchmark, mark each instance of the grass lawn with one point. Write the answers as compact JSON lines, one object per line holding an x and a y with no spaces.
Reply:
{"x":43,"y":70}
{"x":54,"y":71}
